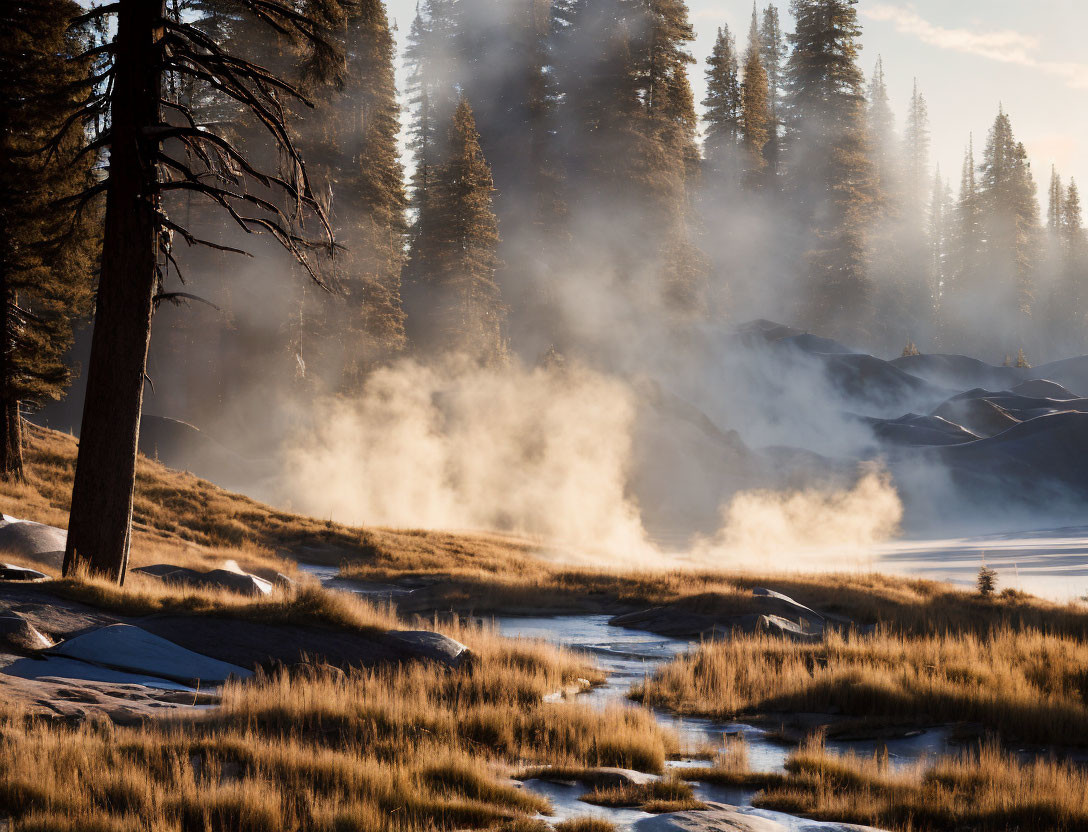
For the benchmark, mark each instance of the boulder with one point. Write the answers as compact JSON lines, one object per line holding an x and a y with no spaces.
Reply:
{"x":604,"y":777}
{"x":14,"y":572}
{"x":253,"y":643}
{"x":430,"y":645}
{"x":240,"y":582}
{"x":19,"y":634}
{"x":60,"y":670}
{"x":704,"y":616}
{"x":776,"y":625}
{"x":36,"y":541}
{"x":719,"y":817}
{"x":1071,"y":373}
{"x":1040,"y":388}
{"x":772,"y":597}
{"x":284,"y":581}
{"x":608,"y":777}
{"x":974,"y":412}
{"x":914,"y":429}
{"x":130,"y":649}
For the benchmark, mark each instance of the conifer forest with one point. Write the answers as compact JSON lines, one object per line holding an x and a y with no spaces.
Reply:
{"x":543,"y":416}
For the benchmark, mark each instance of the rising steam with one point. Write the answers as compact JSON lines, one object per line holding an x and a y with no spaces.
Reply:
{"x":548,"y":453}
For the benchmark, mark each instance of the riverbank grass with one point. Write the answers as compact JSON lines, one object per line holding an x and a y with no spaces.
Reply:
{"x":1025,"y":685}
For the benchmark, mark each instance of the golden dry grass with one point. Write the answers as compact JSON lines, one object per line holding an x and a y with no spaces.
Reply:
{"x":181,"y":519}
{"x":305,"y":603}
{"x":395,"y":748}
{"x":586,"y":824}
{"x":1024,"y":684}
{"x":986,"y":790}
{"x":417,"y":747}
{"x":669,"y":794}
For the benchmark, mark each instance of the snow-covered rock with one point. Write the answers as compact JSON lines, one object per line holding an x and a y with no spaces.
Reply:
{"x":37,"y":541}
{"x":133,"y":650}
{"x":241,"y":582}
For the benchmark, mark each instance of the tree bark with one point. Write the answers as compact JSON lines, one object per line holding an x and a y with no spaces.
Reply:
{"x":11,"y":432}
{"x":99,"y":526}
{"x":11,"y":443}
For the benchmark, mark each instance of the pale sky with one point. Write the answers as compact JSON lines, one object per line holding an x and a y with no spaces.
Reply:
{"x":969,"y":56}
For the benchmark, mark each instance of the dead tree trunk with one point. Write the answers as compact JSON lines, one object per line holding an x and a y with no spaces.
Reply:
{"x":11,"y":433}
{"x":98,"y":528}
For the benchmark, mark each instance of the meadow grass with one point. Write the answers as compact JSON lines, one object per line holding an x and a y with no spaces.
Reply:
{"x":422,"y":747}
{"x":586,"y":824}
{"x":412,"y":746}
{"x":1024,"y":684}
{"x":181,"y":519}
{"x":669,"y":794}
{"x":984,"y":789}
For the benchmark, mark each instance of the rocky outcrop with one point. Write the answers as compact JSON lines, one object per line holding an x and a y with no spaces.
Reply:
{"x":35,"y":541}
{"x":609,"y":777}
{"x":1040,"y":388}
{"x":253,"y":643}
{"x":959,"y":372}
{"x":976,"y":413}
{"x":766,"y":611}
{"x":14,"y":572}
{"x":16,"y":633}
{"x":719,"y":817}
{"x":426,"y":644}
{"x":917,"y":430}
{"x":240,"y":582}
{"x":603,"y":777}
{"x":1036,"y":463}
{"x":131,"y":649}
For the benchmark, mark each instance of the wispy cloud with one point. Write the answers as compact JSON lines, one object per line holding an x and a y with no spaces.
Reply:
{"x":1005,"y":45}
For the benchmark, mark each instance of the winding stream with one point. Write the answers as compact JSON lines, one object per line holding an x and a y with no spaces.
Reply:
{"x":628,"y":656}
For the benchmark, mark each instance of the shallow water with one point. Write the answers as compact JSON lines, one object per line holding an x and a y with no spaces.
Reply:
{"x":1052,"y":563}
{"x":629,"y":656}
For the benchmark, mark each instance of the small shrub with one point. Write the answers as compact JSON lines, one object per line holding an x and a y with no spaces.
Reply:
{"x":986,"y":581}
{"x":586,"y":824}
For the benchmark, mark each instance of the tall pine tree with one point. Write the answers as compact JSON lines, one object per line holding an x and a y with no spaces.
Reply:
{"x":831,"y":173}
{"x":774,"y":54}
{"x":503,"y":53}
{"x":721,"y":113}
{"x":1055,"y":204}
{"x":1010,"y":218}
{"x":152,"y":157}
{"x":456,"y":251}
{"x":351,"y":144}
{"x":939,"y":235}
{"x":1075,"y":274}
{"x":882,"y":141}
{"x":916,"y":157}
{"x":431,"y":56}
{"x":627,"y":130}
{"x":756,"y":118}
{"x":47,"y":251}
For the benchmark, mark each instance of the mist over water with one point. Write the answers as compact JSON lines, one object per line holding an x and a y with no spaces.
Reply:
{"x":624,"y":424}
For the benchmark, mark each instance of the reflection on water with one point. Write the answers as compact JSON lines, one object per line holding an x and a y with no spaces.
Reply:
{"x":1052,"y":563}
{"x":628,"y":657}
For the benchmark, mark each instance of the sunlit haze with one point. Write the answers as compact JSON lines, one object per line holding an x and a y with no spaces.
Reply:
{"x":969,"y":56}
